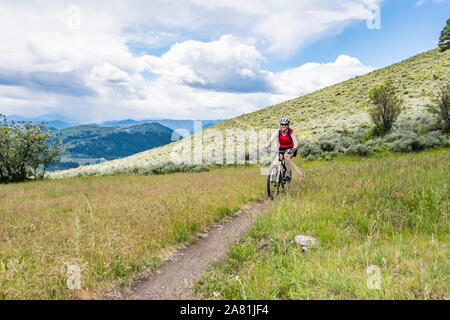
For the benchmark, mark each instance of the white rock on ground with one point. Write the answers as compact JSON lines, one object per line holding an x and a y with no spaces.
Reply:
{"x":306,"y":242}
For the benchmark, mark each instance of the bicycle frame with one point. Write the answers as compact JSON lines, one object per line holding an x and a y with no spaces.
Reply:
{"x":279,"y":165}
{"x":276,"y":178}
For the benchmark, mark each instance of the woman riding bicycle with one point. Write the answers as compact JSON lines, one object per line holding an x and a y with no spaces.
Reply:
{"x":287,"y":144}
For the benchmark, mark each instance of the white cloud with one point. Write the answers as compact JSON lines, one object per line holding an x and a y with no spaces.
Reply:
{"x":283,"y":26}
{"x":173,"y":93}
{"x":291,"y":27}
{"x":421,"y":2}
{"x":228,"y":64}
{"x":313,"y":76}
{"x":108,"y":80}
{"x":234,"y":66}
{"x":92,"y":73}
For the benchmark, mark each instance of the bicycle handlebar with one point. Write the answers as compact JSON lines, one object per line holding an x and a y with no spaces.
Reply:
{"x":282,"y":152}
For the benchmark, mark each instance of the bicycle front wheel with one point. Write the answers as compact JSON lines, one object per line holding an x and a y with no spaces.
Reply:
{"x":273,"y":182}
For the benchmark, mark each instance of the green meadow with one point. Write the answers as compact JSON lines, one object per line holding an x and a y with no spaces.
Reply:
{"x":386,"y":216}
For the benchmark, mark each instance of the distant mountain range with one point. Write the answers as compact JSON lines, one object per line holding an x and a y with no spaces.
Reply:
{"x":57,"y":121}
{"x":170,"y":123}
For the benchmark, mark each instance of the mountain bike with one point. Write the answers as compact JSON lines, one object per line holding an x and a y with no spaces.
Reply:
{"x":277,"y":176}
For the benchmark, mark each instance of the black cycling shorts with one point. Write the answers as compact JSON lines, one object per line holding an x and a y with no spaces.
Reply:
{"x":283,"y":151}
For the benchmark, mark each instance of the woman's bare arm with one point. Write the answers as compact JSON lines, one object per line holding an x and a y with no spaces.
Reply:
{"x":294,"y":139}
{"x":272,"y":139}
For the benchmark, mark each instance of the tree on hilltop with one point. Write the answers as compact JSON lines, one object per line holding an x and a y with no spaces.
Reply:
{"x":444,"y":40}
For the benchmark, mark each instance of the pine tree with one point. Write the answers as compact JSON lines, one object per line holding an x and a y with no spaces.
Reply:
{"x":444,"y":40}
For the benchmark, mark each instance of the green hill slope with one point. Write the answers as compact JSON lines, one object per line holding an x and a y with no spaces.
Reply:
{"x":338,"y":107}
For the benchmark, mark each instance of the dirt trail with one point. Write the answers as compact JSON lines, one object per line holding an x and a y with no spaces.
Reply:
{"x":177,"y":277}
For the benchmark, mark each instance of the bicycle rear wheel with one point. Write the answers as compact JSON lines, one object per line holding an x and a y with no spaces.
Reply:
{"x":286,"y":184}
{"x":273,"y":182}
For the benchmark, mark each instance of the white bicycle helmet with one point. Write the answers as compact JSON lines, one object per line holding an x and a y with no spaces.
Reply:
{"x":285,"y":121}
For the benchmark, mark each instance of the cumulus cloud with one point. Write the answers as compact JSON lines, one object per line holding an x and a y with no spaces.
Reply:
{"x":109,"y":80}
{"x":313,"y":76}
{"x":174,"y":92}
{"x":228,"y":64}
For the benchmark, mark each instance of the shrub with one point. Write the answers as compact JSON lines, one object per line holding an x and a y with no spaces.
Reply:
{"x":375,"y":145}
{"x":404,"y":142}
{"x":446,"y":143}
{"x":200,"y":168}
{"x":372,"y":133}
{"x":387,"y":105}
{"x":422,"y":122}
{"x":343,"y":143}
{"x":307,"y":148}
{"x":430,"y":140}
{"x":359,"y":149}
{"x":442,"y":107}
{"x":326,"y":145}
{"x":399,"y":135}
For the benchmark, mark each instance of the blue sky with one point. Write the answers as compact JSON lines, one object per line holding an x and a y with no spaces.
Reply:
{"x":196,"y":59}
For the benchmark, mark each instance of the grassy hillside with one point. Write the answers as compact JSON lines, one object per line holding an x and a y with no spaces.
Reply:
{"x":388,"y":212}
{"x":336,"y":108}
{"x":344,"y":105}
